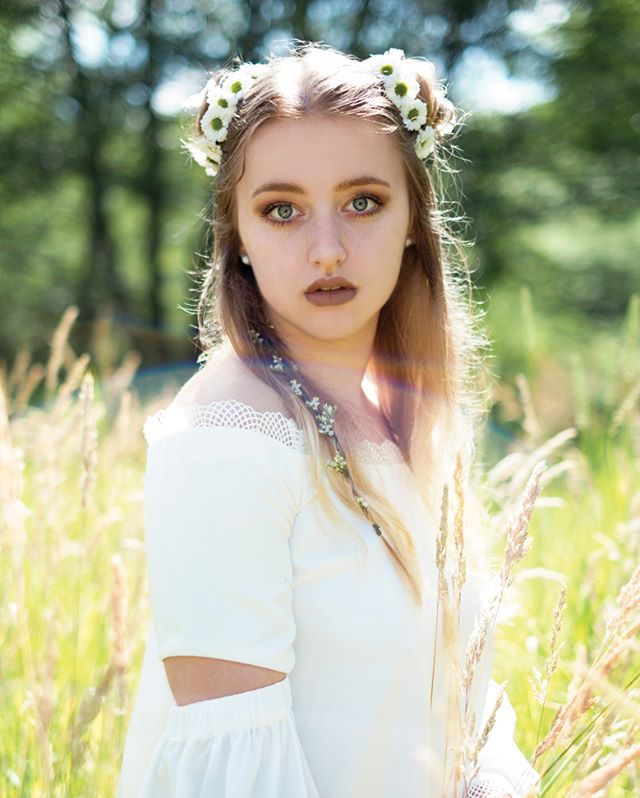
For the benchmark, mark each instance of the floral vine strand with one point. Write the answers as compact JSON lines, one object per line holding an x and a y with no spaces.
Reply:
{"x":323,"y":413}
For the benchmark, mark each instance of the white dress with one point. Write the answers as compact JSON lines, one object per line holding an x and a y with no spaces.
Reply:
{"x":244,"y":565}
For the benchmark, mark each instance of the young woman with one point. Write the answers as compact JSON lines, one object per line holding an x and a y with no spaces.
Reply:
{"x":293,"y":486}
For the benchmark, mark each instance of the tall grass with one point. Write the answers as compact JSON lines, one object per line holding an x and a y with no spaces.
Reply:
{"x":74,"y":606}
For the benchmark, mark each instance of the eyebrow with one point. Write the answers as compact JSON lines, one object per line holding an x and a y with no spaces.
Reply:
{"x":292,"y":188}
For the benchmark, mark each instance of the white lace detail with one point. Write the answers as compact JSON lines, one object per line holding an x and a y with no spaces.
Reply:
{"x":233,"y":414}
{"x":229,"y":414}
{"x":493,"y":785}
{"x":482,"y":789}
{"x":386,"y":453}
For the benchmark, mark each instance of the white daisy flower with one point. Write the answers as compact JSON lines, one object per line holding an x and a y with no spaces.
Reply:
{"x":214,"y":124}
{"x":206,"y":155}
{"x":222,"y":102}
{"x":238,"y":83}
{"x":425,"y":142}
{"x":387,"y":65}
{"x":394,"y":54}
{"x":401,"y":88}
{"x":414,"y":113}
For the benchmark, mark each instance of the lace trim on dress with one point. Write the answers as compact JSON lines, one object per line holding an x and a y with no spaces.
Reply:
{"x":228,"y":414}
{"x":483,"y":789}
{"x":233,"y":414}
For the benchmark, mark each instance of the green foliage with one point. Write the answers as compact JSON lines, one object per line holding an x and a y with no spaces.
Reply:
{"x":100,"y":206}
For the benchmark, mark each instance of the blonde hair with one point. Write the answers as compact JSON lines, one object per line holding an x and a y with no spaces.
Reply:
{"x":426,"y":344}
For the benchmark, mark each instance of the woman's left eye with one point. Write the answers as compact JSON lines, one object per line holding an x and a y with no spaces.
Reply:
{"x":364,"y":203}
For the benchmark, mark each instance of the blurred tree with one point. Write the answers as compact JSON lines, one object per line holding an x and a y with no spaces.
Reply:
{"x":553,"y":192}
{"x":98,"y":207}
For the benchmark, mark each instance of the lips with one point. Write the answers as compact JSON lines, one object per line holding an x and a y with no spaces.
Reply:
{"x":328,"y":283}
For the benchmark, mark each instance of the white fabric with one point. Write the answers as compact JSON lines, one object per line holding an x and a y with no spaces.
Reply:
{"x":244,"y":565}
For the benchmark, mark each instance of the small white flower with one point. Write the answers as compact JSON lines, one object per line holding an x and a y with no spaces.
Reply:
{"x":386,"y":66}
{"x":425,"y":142}
{"x":296,"y":387}
{"x":205,"y":154}
{"x":414,"y":114}
{"x":238,"y":83}
{"x":395,"y":54}
{"x":214,"y":125}
{"x":276,"y":363}
{"x":401,"y":88}
{"x":223,"y":104}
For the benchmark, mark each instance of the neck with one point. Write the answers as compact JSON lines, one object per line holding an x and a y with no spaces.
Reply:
{"x":337,"y":368}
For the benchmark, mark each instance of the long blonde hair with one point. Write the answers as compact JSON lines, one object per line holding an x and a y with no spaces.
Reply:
{"x":426,"y":344}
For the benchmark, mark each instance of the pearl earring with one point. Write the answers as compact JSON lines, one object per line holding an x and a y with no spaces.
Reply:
{"x":408,"y":242}
{"x":245,"y":260}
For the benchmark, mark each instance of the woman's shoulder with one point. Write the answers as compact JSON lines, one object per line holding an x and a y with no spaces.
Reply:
{"x":226,"y":395}
{"x":225,"y":377}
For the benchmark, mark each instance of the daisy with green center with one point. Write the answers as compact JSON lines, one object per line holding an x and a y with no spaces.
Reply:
{"x":414,"y":113}
{"x":425,"y":142}
{"x":387,"y":65}
{"x":401,"y":88}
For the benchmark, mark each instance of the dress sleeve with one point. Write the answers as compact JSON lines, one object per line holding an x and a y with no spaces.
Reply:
{"x":219,"y":507}
{"x":503,"y":768}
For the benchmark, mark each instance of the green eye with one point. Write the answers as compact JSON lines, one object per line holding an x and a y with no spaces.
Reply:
{"x":284,"y":211}
{"x":361,"y":203}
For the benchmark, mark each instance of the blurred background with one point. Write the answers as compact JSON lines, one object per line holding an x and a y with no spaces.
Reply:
{"x":102,"y":210}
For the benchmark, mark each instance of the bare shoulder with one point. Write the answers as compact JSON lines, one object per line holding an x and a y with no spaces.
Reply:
{"x":226,"y":377}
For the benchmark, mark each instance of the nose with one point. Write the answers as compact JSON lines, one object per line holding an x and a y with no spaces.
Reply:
{"x":326,"y":249}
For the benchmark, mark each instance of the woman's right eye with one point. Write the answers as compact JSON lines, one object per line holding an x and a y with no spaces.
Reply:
{"x":279,"y":212}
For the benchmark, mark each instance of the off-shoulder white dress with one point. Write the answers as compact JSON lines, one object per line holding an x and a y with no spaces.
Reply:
{"x":244,"y":565}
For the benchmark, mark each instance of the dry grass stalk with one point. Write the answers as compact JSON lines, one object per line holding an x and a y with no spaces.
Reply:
{"x":602,"y":777}
{"x":44,"y":697}
{"x":18,"y":372}
{"x":58,"y":345}
{"x":34,"y":377}
{"x":582,"y":698}
{"x":120,"y":654}
{"x":627,"y":602}
{"x":89,"y":708}
{"x":122,"y":377}
{"x":518,"y":544}
{"x":518,"y":540}
{"x":441,"y":563}
{"x":515,"y":467}
{"x":460,"y":574}
{"x":551,"y":663}
{"x":74,"y":377}
{"x":89,"y":440}
{"x":483,"y":737}
{"x":554,"y":648}
{"x":530,"y":423}
{"x":596,"y":741}
{"x":625,"y":408}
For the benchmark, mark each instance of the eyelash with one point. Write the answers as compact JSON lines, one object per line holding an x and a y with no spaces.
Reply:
{"x":280,"y":222}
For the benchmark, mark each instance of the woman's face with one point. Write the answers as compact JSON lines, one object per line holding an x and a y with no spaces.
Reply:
{"x":323,"y":198}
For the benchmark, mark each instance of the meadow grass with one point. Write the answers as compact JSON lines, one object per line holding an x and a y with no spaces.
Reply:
{"x":73,"y":599}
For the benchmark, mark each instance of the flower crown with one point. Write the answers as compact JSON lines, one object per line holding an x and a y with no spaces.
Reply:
{"x":398,"y":80}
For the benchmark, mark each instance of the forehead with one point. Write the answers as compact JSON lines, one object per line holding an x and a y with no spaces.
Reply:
{"x":320,"y":150}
